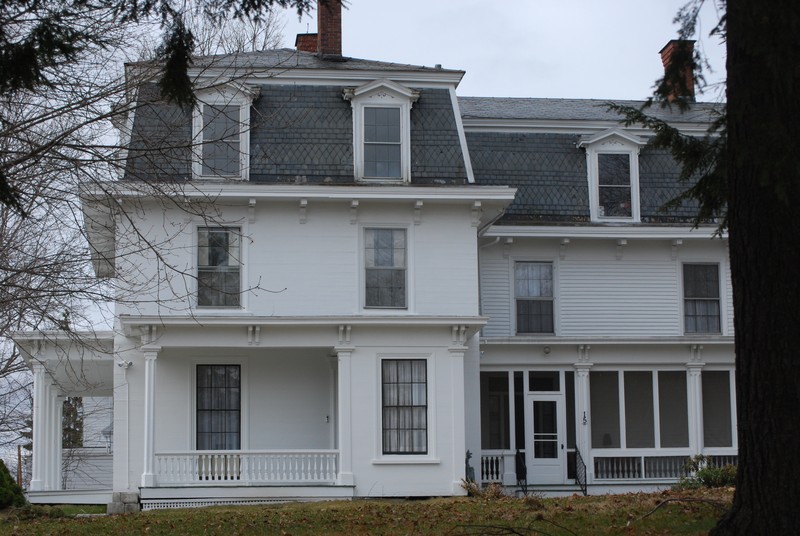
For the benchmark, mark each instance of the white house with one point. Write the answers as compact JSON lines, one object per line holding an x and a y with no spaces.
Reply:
{"x":336,"y":277}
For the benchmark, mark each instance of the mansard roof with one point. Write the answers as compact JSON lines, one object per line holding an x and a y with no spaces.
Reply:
{"x":575,"y":109}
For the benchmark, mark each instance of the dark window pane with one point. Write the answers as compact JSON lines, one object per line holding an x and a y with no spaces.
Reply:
{"x":533,"y":288}
{"x":673,"y":409}
{"x":544,"y":381}
{"x":717,"y":430}
{"x":701,"y":307}
{"x":218,"y":267}
{"x":495,"y":410}
{"x":221,"y":152}
{"x":639,"y":420}
{"x":604,"y":404}
{"x":614,"y":169}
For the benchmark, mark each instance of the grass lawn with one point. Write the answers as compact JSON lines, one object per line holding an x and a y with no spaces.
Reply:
{"x":672,"y":512}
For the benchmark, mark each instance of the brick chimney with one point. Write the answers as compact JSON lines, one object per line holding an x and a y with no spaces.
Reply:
{"x":306,"y":42}
{"x":678,"y":59}
{"x":329,"y":28}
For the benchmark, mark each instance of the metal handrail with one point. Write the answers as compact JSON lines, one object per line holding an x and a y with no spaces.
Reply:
{"x":580,"y":471}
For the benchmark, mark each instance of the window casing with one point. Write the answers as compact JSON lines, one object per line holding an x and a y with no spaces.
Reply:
{"x":382,"y":131}
{"x":218,"y":406}
{"x":385,"y":273}
{"x":612,"y":162}
{"x":404,"y":384}
{"x":218,"y":267}
{"x":701,"y":298}
{"x":533,"y":292}
{"x":221,"y":133}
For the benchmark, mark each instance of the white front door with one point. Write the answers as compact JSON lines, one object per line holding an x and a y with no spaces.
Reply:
{"x":546,"y":453}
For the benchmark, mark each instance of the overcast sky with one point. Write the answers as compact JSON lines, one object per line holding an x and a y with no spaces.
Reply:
{"x":605,"y":49}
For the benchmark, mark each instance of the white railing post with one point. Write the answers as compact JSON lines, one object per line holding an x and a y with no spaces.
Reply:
{"x":150,"y":356}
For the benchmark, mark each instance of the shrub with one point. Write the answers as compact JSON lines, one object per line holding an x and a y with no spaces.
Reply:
{"x":703,"y":474}
{"x":10,"y":492}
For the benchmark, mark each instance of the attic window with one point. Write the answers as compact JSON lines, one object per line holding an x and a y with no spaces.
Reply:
{"x":612,"y":161}
{"x":382,"y":131}
{"x":221,"y":133}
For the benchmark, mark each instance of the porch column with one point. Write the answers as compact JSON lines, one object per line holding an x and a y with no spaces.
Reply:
{"x":459,"y":440}
{"x":58,"y":441}
{"x":150,"y":356}
{"x":582,"y":402}
{"x":39,"y":442}
{"x":695,"y":402}
{"x":51,"y":470}
{"x":345,"y":421}
{"x":510,"y":462}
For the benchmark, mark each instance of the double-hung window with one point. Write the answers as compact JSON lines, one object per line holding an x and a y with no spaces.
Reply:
{"x":405,"y":406}
{"x":615,"y":199}
{"x":701,"y":309}
{"x":221,"y":146}
{"x":533,"y":290}
{"x":219,"y":407}
{"x":382,"y":143}
{"x":218,"y":267}
{"x":385,"y":268}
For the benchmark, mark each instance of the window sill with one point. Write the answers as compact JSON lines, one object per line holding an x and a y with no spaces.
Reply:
{"x":409,"y":459}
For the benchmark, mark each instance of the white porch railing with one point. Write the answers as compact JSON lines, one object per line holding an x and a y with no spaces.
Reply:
{"x":498,"y":466}
{"x":239,"y":467}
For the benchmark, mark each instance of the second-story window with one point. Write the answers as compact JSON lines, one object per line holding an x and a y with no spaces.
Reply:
{"x":533,"y":290}
{"x":218,"y":267}
{"x":701,"y":311}
{"x":382,"y":143}
{"x":385,"y":268}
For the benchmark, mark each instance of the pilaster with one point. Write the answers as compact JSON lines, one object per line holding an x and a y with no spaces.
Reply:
{"x":150,"y":357}
{"x":345,"y":420}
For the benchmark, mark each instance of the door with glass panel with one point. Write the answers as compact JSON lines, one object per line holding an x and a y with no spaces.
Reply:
{"x":546,"y":442}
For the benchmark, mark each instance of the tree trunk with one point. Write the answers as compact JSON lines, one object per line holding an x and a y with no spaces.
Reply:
{"x":763,"y":164}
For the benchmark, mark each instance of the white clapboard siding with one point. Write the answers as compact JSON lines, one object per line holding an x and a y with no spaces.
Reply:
{"x":728,"y":297}
{"x":618,"y":298}
{"x":496,"y":297}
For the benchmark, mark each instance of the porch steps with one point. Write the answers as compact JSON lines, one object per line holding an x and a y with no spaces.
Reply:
{"x":199,"y":496}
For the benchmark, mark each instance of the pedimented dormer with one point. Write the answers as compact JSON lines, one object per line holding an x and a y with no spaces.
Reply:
{"x":612,"y":161}
{"x":382,"y":130}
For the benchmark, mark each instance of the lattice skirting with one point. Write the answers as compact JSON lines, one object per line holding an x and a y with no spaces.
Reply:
{"x":159,"y":504}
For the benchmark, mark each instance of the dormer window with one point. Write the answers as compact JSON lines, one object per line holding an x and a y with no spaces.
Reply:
{"x":382,"y":131}
{"x":612,"y":161}
{"x":221,"y":133}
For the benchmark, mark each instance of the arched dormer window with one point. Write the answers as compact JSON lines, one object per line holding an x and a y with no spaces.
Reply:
{"x":612,"y":161}
{"x":382,"y":130}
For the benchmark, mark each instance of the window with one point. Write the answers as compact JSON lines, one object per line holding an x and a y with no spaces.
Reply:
{"x":405,"y":406}
{"x":218,"y":407}
{"x":701,"y":310}
{"x":612,"y":162}
{"x":218,"y":267}
{"x":385,"y":268}
{"x":221,"y":144}
{"x":221,"y":132}
{"x":382,"y":130}
{"x":533,"y":289}
{"x":614,"y":185}
{"x":382,"y":143}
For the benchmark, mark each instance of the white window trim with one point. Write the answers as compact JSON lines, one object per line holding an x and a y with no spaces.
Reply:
{"x":227,"y":95}
{"x":382,"y":93}
{"x":612,"y":141}
{"x":513,"y":293}
{"x":244,"y":415}
{"x":404,"y":459}
{"x":362,"y":271}
{"x":243,"y":278}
